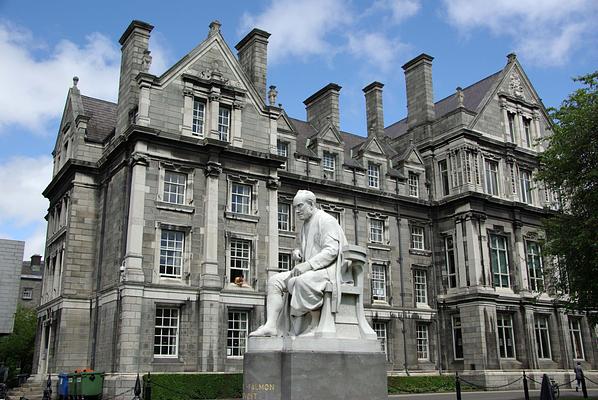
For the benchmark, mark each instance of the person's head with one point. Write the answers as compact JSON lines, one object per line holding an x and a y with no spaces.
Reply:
{"x":304,"y":204}
{"x":579,"y":363}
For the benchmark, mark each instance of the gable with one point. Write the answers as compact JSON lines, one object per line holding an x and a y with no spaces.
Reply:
{"x":516,"y":85}
{"x":374,"y":147}
{"x":330,"y":136}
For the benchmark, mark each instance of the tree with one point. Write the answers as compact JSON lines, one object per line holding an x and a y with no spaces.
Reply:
{"x":569,"y":166}
{"x":16,"y":349}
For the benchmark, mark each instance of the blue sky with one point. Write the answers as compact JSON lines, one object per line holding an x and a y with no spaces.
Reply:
{"x":352,"y":43}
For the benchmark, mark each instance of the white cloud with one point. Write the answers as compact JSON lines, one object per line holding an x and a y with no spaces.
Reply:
{"x":299,"y":28}
{"x":36,"y":242}
{"x":35,"y":78}
{"x":545,"y":33}
{"x":24,"y":179}
{"x":399,"y":10}
{"x":375,"y":48}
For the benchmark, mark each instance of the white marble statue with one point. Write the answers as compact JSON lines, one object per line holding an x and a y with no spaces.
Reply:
{"x":322,"y":241}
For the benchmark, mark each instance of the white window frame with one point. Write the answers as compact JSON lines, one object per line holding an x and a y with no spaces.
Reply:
{"x":504,"y":327}
{"x":525,"y":185}
{"x":198,"y":119}
{"x":282,"y":149}
{"x":237,"y":205}
{"x":576,"y":338}
{"x":176,"y":189}
{"x":381,"y":329}
{"x":534,"y":266}
{"x":168,"y":331}
{"x":417,"y":237}
{"x":328,"y":165}
{"x":443,"y":170}
{"x":169,"y":249}
{"x":27,"y":293}
{"x":498,"y":245}
{"x":450,"y":253}
{"x":285,"y":261}
{"x":542,"y":332}
{"x":236,"y":333}
{"x":284,"y":217}
{"x":457,"y":327}
{"x":378,"y":282}
{"x":492,"y":177}
{"x":422,"y":333}
{"x":413,"y":181}
{"x":377,"y":231}
{"x":511,"y":125}
{"x":420,"y":287}
{"x":527,"y":131}
{"x":239,"y":259}
{"x":373,"y":175}
{"x":224,"y":122}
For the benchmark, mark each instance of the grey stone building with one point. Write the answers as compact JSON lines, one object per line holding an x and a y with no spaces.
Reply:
{"x":30,"y":284}
{"x":169,"y":210}
{"x":11,"y":258}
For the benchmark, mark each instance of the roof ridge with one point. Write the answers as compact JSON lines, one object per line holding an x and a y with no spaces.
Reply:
{"x":102,"y":100}
{"x":469,"y":87}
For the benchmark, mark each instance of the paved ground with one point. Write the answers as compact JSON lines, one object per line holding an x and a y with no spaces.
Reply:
{"x":494,"y":395}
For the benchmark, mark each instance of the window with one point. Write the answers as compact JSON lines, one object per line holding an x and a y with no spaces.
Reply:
{"x":171,"y":253}
{"x":417,"y":238}
{"x":328,"y":165}
{"x":284,"y":261}
{"x":379,"y":282}
{"x":451,"y":266}
{"x":420,"y":286}
{"x":284,"y":216}
{"x":444,"y":177}
{"x":282,"y":149}
{"x":27,"y":293}
{"x":239,"y":260}
{"x":511,"y":118}
{"x":413,"y":184}
{"x":240,"y":198}
{"x":576,"y":341}
{"x":199,"y":112}
{"x":166,"y":332}
{"x":376,"y":230}
{"x":542,"y":337}
{"x":491,"y":177}
{"x":382,"y":333}
{"x":527,"y":130}
{"x":506,"y":341}
{"x":499,"y":261}
{"x":423,"y":352}
{"x":525,"y":184}
{"x":373,"y":175}
{"x":534,"y":267}
{"x":223,"y":123}
{"x":236,"y":334}
{"x":174,"y":187}
{"x":457,"y":338}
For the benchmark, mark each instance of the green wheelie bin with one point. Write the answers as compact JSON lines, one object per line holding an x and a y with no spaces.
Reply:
{"x":91,"y":385}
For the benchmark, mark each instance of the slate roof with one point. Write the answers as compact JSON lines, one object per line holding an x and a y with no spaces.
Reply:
{"x":472,"y":97}
{"x":102,"y":115}
{"x":26,"y":269}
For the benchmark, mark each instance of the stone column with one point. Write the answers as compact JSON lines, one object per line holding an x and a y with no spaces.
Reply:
{"x":130,"y":340}
{"x":209,"y":267}
{"x":236,"y":123}
{"x":474,"y":257}
{"x":565,"y":340}
{"x":536,"y":129}
{"x":187,"y":128}
{"x":519,"y":263}
{"x":519,"y":132}
{"x":213,"y":109}
{"x":143,"y":118}
{"x":133,"y":261}
{"x":505,"y":116}
{"x":462,"y":265}
{"x":529,"y":337}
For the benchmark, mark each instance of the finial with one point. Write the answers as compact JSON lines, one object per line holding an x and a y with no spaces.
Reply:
{"x":511,"y":57}
{"x":75,"y":81}
{"x":214,"y":28}
{"x":146,"y":60}
{"x":460,"y":96}
{"x":272,"y":93}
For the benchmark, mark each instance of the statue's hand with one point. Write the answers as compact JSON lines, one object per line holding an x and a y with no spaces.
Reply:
{"x":300,"y":269}
{"x":296,"y":255}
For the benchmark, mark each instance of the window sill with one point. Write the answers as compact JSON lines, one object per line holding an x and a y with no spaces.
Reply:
{"x":175,"y":207}
{"x":423,"y":305}
{"x":167,"y":360}
{"x":241,"y":217}
{"x":235,"y":287}
{"x":379,"y":246}
{"x":380,"y":303}
{"x":420,"y":252}
{"x":287,"y":234}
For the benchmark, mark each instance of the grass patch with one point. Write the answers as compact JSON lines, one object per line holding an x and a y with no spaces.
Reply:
{"x":423,"y":384}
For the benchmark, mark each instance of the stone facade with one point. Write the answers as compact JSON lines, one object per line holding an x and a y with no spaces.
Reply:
{"x":169,"y":210}
{"x":11,"y":258}
{"x":30,"y":285}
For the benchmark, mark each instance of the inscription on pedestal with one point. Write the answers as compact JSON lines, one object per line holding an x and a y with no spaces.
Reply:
{"x":256,"y":391}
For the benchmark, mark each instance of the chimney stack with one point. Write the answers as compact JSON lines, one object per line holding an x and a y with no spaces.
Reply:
{"x":252,"y":51}
{"x":323,"y":106}
{"x":135,"y":44}
{"x":36,"y":262}
{"x":374,"y":111}
{"x":420,"y":95}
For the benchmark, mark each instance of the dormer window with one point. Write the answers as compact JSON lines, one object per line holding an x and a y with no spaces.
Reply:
{"x":373,"y":175}
{"x":199,"y":112}
{"x":328,"y":165}
{"x":413,"y":184}
{"x":223,"y":123}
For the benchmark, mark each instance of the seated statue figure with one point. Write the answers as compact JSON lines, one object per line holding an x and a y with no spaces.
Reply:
{"x":322,"y":243}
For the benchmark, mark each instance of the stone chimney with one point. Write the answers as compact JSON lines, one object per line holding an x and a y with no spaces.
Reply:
{"x":420,"y":95}
{"x":36,"y":262}
{"x":135,"y":43}
{"x":252,"y":51}
{"x":323,"y":106}
{"x":374,"y":111}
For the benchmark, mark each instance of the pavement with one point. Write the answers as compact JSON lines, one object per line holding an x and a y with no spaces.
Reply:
{"x":493,"y":395}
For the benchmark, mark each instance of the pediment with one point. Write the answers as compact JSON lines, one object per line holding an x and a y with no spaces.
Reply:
{"x":373,"y":146}
{"x":516,"y":85}
{"x":284,"y":123}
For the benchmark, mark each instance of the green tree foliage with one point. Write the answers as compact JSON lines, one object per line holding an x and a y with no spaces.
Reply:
{"x":16,"y":349}
{"x":569,"y":166}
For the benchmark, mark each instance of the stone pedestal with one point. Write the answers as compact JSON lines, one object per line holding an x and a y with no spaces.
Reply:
{"x":298,"y":368}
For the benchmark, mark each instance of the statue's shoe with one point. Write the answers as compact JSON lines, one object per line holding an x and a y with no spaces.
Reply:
{"x":264,"y":331}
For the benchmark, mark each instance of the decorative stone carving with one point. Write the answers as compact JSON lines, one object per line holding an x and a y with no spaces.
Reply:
{"x":213,"y":169}
{"x":214,"y":28}
{"x":272,"y":93}
{"x":273,"y":183}
{"x":460,"y":96}
{"x":138,"y":159}
{"x":146,"y":61}
{"x":515,"y":86}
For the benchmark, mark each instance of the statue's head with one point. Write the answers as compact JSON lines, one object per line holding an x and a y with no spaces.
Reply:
{"x":304,"y":204}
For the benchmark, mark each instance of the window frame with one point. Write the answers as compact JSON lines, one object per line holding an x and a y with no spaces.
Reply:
{"x":288,"y":214}
{"x":232,"y":257}
{"x":444,"y":177}
{"x":454,"y":276}
{"x":542,"y":334}
{"x":456,"y":326}
{"x":170,"y":335}
{"x":527,"y":131}
{"x":492,"y":178}
{"x":198,"y":129}
{"x":224,"y":135}
{"x":413,"y":184}
{"x":422,"y":341}
{"x":381,"y":329}
{"x":535,"y":267}
{"x":511,"y":125}
{"x":282,"y":149}
{"x":505,"y":331}
{"x":525,"y":185}
{"x":287,"y":255}
{"x":498,"y":272}
{"x":328,"y":165}
{"x":166,"y":195}
{"x":165,"y":266}
{"x":412,"y":236}
{"x":234,"y":205}
{"x":27,"y":293}
{"x":373,"y":175}
{"x":378,"y":281}
{"x":241,"y":336}
{"x":576,"y":331}
{"x":420,"y":287}
{"x":377,"y":230}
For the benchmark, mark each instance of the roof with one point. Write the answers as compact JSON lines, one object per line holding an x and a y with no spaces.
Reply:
{"x":102,"y":116}
{"x":27,"y":270}
{"x":472,"y":97}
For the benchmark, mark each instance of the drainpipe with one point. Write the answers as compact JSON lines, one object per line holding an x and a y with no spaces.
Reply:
{"x":402,"y":289}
